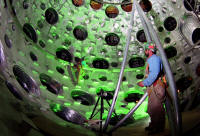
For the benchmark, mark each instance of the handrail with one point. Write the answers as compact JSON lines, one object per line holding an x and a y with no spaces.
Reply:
{"x":173,"y":90}
{"x":122,"y":69}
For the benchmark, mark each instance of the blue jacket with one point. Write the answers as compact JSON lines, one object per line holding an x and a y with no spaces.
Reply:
{"x":155,"y":67}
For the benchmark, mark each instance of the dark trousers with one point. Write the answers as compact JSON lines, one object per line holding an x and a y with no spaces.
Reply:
{"x":155,"y":109}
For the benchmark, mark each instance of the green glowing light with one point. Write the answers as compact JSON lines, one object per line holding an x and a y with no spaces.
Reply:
{"x":88,"y":114}
{"x":56,"y":107}
{"x":65,"y":88}
{"x":77,"y":103}
{"x":42,"y":87}
{"x":67,"y":104}
{"x":38,"y":32}
{"x":49,"y":56}
{"x":36,"y":64}
{"x":50,"y":41}
{"x":34,"y":72}
{"x":21,"y":53}
{"x":50,"y":71}
{"x":60,"y":97}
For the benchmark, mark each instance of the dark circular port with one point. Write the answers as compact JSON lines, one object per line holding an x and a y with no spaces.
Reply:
{"x":43,"y":6}
{"x":78,"y":3}
{"x":189,"y":4}
{"x":80,"y":33}
{"x":100,"y":63}
{"x":133,"y":97}
{"x":64,"y":54}
{"x":86,"y":77}
{"x":145,"y":5}
{"x":171,"y":52}
{"x":112,"y":39}
{"x":187,"y":60}
{"x":196,"y":36}
{"x":68,"y":114}
{"x":51,"y":16}
{"x":126,"y":5}
{"x":83,"y":97}
{"x":7,"y":41}
{"x":170,"y":23}
{"x":139,"y":76}
{"x":141,"y":36}
{"x":136,"y":62}
{"x":13,"y":90}
{"x":198,"y":70}
{"x":42,"y":44}
{"x":25,"y":80}
{"x":167,"y":40}
{"x":33,"y":56}
{"x":114,"y":64}
{"x":25,"y":4}
{"x":52,"y":85}
{"x":30,"y":32}
{"x":112,"y":11}
{"x":103,"y":78}
{"x":160,"y":29}
{"x":183,"y":83}
{"x":60,"y":70}
{"x":95,"y":4}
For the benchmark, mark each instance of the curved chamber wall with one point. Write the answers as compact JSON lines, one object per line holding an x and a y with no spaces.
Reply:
{"x":66,"y":51}
{"x":190,"y":28}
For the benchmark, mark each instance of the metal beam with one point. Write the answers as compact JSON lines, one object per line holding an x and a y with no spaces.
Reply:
{"x":122,"y":68}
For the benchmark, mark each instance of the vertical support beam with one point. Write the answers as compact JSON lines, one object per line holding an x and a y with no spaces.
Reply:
{"x":122,"y":68}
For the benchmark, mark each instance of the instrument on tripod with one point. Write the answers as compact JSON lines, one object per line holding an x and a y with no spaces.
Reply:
{"x":102,"y":95}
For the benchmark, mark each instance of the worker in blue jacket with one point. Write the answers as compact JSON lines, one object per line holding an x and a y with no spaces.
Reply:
{"x":155,"y":89}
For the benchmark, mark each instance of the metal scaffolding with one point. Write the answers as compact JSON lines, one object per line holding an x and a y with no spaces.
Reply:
{"x":173,"y":114}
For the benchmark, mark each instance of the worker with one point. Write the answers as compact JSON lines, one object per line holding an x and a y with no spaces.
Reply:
{"x":79,"y":67}
{"x":155,"y":89}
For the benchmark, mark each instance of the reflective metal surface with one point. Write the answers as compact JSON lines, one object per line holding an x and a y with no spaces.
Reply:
{"x":25,"y":80}
{"x":71,"y":116}
{"x":188,"y":25}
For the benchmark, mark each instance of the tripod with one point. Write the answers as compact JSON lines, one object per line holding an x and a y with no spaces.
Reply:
{"x":102,"y":95}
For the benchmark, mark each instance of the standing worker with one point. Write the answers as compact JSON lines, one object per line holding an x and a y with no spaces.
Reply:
{"x":155,"y":89}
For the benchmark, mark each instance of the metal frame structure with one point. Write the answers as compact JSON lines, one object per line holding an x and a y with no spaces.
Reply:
{"x":173,"y":114}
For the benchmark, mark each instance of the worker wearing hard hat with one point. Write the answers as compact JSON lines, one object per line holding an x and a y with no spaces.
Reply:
{"x":155,"y":89}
